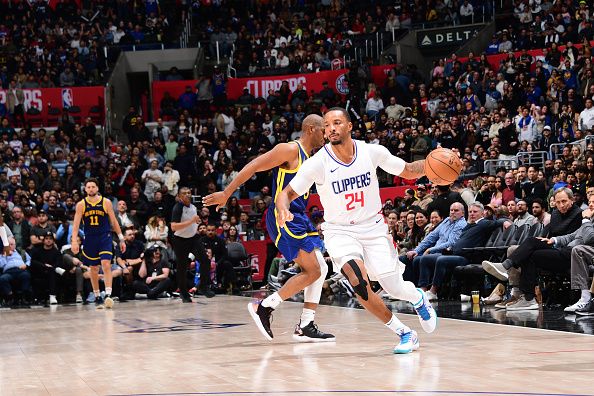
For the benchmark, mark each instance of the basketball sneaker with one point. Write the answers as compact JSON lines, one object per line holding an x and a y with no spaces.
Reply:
{"x":426,"y":313}
{"x":108,"y":302}
{"x":311,"y":333}
{"x":262,"y":316}
{"x":408,"y":342}
{"x":586,"y":310}
{"x":99,"y":303}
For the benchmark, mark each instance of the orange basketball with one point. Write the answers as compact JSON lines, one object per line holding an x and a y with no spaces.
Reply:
{"x":442,"y":166}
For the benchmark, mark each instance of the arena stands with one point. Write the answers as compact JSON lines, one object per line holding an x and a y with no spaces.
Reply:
{"x":529,"y":92}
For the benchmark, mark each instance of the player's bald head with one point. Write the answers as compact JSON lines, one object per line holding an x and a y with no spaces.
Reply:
{"x":312,"y":120}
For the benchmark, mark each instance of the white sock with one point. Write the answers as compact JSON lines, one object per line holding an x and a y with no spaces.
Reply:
{"x":515,"y":291}
{"x":307,"y":316}
{"x":97,"y":293}
{"x":397,"y":326}
{"x":272,"y":301}
{"x":586,"y":296}
{"x":108,"y":291}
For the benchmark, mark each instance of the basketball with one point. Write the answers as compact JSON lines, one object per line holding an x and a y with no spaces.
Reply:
{"x":442,"y":166}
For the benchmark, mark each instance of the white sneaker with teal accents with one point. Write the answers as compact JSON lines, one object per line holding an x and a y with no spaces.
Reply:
{"x":408,"y":342}
{"x":426,"y":313}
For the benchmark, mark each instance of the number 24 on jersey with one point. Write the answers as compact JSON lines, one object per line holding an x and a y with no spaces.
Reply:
{"x":353,"y":199}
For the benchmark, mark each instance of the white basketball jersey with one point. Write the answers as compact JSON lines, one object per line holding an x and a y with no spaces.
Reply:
{"x":349,"y":192}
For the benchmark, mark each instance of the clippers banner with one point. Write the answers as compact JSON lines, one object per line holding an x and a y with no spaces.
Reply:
{"x":259,"y":86}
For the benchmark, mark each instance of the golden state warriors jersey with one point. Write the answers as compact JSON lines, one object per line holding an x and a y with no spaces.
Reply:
{"x":282,"y":177}
{"x":95,"y":218}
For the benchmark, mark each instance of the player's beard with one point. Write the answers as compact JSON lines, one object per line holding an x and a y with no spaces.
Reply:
{"x":336,"y":142}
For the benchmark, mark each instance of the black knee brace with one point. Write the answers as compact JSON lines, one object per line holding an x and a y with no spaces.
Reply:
{"x":361,"y":288}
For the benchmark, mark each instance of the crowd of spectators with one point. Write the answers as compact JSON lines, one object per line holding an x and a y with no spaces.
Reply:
{"x":463,"y":105}
{"x":281,"y":37}
{"x":45,"y":47}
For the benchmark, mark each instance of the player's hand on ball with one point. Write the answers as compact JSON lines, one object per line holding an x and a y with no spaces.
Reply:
{"x":284,"y":216}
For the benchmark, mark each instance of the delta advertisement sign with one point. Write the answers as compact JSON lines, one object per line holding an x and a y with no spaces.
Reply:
{"x":260,"y":86}
{"x":44,"y":98}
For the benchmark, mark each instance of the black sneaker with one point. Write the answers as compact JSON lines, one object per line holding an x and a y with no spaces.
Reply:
{"x":185,"y":297}
{"x":587,"y":310}
{"x":99,"y":303}
{"x":262,"y":316}
{"x":311,"y":333}
{"x":207,"y":292}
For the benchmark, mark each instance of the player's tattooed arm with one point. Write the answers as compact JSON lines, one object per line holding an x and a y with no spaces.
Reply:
{"x":413,"y":170}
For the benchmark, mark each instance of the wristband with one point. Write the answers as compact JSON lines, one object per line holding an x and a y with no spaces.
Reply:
{"x":121,"y":237}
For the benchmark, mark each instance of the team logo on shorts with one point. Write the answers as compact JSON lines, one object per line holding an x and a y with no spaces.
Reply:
{"x":342,"y":86}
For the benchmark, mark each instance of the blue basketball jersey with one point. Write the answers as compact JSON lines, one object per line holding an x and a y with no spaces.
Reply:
{"x":300,"y":233}
{"x":95,"y":218}
{"x":282,"y":177}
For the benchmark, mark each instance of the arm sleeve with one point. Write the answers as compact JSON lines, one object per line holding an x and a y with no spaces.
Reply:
{"x":312,"y":171}
{"x":380,"y":156}
{"x":176,"y":213}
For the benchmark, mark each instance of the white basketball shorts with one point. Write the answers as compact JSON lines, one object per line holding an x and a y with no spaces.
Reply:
{"x":369,"y":241}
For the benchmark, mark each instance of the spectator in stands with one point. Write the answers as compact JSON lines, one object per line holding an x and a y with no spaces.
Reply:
{"x":152,"y":177}
{"x":522,"y":214}
{"x":137,"y":206}
{"x":433,"y":267}
{"x":533,"y":188}
{"x":565,"y":219}
{"x":442,"y":202}
{"x":153,"y":274}
{"x":13,"y":268}
{"x":443,"y":236}
{"x":125,"y":220}
{"x":46,"y":268}
{"x":466,"y":13}
{"x":156,"y":232}
{"x":41,"y":229}
{"x":423,"y":197}
{"x":20,"y":228}
{"x":539,"y":212}
{"x":131,"y":258}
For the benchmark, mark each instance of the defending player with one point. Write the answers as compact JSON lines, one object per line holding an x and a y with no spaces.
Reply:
{"x":299,"y":241}
{"x":96,"y":213}
{"x":355,"y":233}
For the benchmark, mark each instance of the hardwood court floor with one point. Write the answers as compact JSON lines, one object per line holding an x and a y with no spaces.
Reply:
{"x":212,"y":348}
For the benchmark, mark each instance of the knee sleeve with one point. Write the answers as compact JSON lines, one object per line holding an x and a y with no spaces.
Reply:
{"x":361,"y":287}
{"x":313,"y":292}
{"x":399,"y":288}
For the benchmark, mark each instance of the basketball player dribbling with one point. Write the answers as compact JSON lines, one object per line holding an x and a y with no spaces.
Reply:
{"x":355,"y":233}
{"x":96,"y":213}
{"x":297,"y":242}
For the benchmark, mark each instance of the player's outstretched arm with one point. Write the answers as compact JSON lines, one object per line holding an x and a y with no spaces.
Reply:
{"x":283,"y":200}
{"x":279,"y":155}
{"x":413,"y":170}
